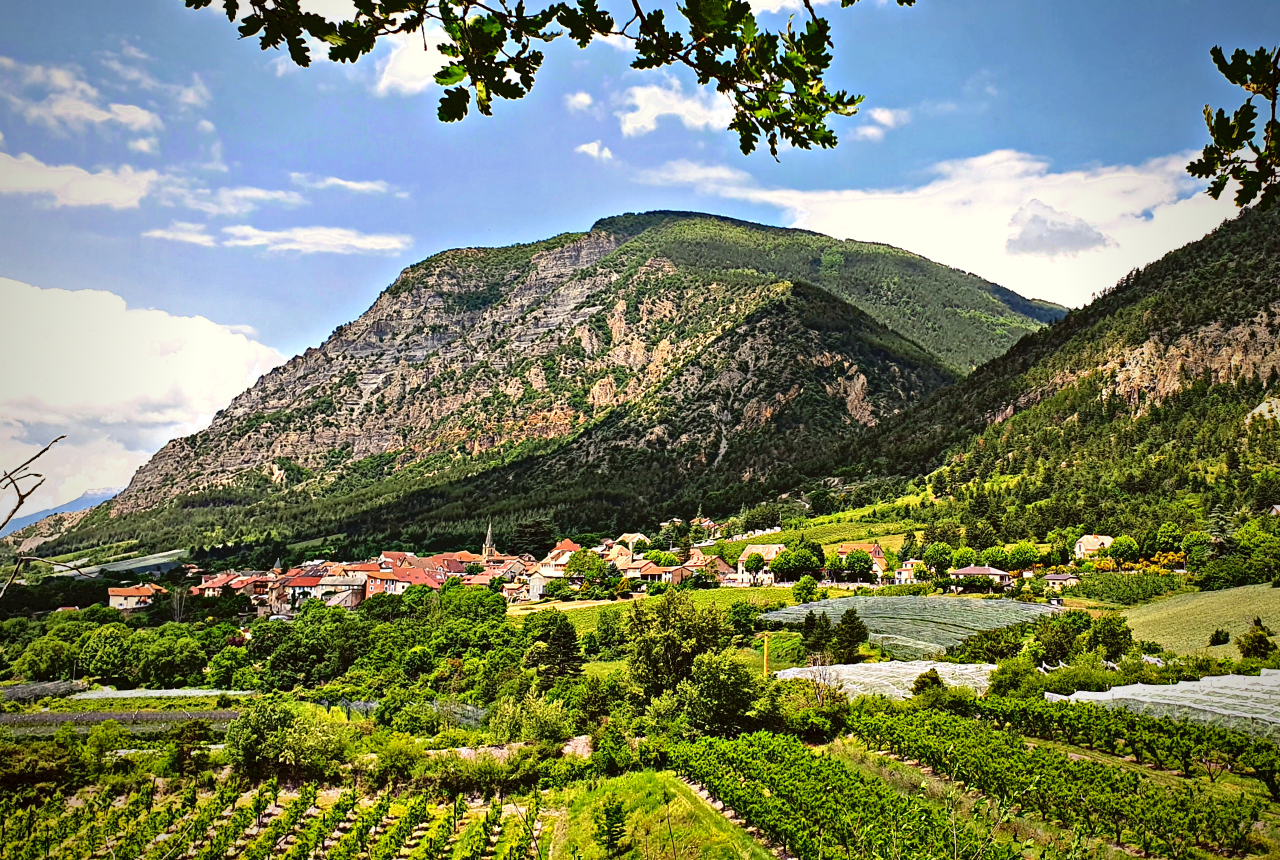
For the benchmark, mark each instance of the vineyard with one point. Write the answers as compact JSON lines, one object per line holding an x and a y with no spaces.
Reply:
{"x":1091,"y":797}
{"x":233,"y":822}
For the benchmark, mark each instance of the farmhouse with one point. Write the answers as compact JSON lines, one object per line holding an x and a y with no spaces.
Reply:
{"x":1089,"y":545}
{"x":999,"y":577}
{"x":1059,"y":581}
{"x":130,"y":598}
{"x":767,"y":551}
{"x":878,"y":563}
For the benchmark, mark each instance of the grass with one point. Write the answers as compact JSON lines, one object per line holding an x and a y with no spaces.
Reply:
{"x":1184,"y":622}
{"x":664,"y":819}
{"x":585,"y":614}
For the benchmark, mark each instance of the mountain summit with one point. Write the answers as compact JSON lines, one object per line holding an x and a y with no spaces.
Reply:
{"x":662,"y":353}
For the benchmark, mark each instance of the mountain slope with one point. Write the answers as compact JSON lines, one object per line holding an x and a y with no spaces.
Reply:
{"x":84,"y":502}
{"x":674,"y":346}
{"x":1135,"y":407}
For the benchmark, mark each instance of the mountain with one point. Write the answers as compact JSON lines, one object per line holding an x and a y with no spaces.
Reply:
{"x":1158,"y":401}
{"x":654,"y":356}
{"x":86,"y":501}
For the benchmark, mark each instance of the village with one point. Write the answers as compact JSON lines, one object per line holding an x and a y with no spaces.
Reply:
{"x":630,"y":561}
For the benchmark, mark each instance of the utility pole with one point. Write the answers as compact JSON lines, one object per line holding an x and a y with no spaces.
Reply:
{"x":766,"y":655}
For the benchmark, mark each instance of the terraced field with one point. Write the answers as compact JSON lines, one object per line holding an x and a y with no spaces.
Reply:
{"x":1183,"y":623}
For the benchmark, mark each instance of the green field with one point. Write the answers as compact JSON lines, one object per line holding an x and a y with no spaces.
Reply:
{"x":1184,"y":622}
{"x":833,"y":530}
{"x":662,"y":815}
{"x":586,"y":616}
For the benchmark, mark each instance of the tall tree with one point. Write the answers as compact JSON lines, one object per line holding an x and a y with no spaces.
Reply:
{"x":666,"y":635}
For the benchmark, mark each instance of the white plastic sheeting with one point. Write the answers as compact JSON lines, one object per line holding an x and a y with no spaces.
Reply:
{"x":1241,"y":702}
{"x":917,"y":628}
{"x":894,"y":679}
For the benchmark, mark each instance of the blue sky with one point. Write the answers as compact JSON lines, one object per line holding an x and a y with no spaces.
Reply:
{"x":229,"y":210}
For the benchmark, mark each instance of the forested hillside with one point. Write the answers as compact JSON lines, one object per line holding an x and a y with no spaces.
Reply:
{"x":1154,"y":403}
{"x":611,"y":377}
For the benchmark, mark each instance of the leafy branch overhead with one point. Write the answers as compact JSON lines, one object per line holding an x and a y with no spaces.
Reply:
{"x":774,"y":79}
{"x":1236,"y":152}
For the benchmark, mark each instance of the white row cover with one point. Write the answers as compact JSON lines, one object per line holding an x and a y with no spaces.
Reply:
{"x":1242,"y":702}
{"x":893,"y":679}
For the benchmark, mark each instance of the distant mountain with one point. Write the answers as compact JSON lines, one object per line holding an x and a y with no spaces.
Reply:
{"x":653,"y":358}
{"x":1156,"y":402}
{"x":86,"y":501}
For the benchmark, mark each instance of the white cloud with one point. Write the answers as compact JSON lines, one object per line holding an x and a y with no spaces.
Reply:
{"x":889,"y":117}
{"x":702,"y":109}
{"x":882,"y":119}
{"x":707,"y":178}
{"x":307,"y":180}
{"x":205,"y":127}
{"x":1005,"y":216}
{"x":193,"y":95}
{"x":149,"y":145}
{"x":225,"y":201}
{"x":595,"y":150}
{"x":316,"y":240}
{"x":184,"y":231}
{"x":69,"y":185}
{"x":70,"y":103}
{"x":161,"y":376}
{"x":411,"y":65}
{"x":578,"y":101}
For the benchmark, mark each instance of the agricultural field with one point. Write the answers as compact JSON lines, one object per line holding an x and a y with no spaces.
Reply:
{"x":1247,"y":704}
{"x":831,"y":531}
{"x":1184,"y":622}
{"x":585,"y":614}
{"x":663,"y":818}
{"x":913,"y":628}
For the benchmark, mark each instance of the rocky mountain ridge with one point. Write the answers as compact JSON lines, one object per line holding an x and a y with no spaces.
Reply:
{"x":480,"y":353}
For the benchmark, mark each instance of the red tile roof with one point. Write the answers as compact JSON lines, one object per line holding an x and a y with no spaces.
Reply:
{"x":566,"y":544}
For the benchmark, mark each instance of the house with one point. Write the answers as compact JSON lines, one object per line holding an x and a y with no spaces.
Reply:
{"x":515,"y":592}
{"x":445,"y":564}
{"x":640,"y":569}
{"x":479,"y":579}
{"x":999,"y":577}
{"x":292,"y":589}
{"x":332,"y":585}
{"x":719,"y":568}
{"x":906,"y":574}
{"x":768,"y":552}
{"x":1089,"y":545}
{"x":539,"y":581}
{"x":212,"y":585}
{"x":631,"y":539}
{"x":878,"y":563}
{"x":1059,"y":581}
{"x":386,"y":582}
{"x":553,"y":565}
{"x":395,"y":559}
{"x":1275,"y":511}
{"x":130,"y":598}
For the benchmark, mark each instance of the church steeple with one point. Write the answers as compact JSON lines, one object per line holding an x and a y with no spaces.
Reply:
{"x":489,"y":550}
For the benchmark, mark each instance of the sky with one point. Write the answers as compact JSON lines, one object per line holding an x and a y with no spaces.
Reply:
{"x":182,"y":211}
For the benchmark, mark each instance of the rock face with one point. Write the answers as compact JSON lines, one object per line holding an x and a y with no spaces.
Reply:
{"x":696,"y":342}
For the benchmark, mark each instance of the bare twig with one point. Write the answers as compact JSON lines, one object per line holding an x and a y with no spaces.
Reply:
{"x":11,"y":479}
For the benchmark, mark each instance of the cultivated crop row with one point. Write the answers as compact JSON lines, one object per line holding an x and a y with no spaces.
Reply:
{"x":816,"y":808}
{"x":1089,"y":796}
